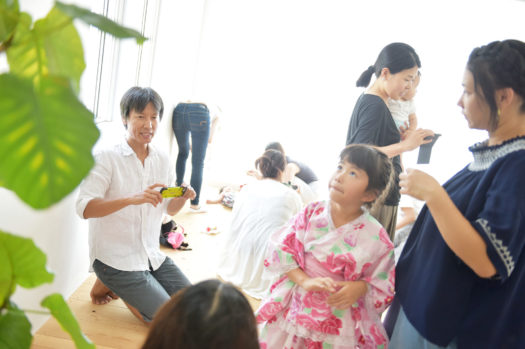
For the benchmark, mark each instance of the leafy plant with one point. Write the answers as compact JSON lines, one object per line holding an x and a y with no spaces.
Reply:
{"x":46,"y":138}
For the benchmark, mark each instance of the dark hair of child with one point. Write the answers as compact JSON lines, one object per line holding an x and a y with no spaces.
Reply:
{"x":271,"y":164}
{"x":377,"y":166}
{"x":396,"y":56}
{"x":208,"y":315}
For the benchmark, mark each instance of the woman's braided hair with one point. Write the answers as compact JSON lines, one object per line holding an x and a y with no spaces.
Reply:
{"x":500,"y":64}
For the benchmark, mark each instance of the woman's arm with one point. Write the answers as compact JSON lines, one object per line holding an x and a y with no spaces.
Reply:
{"x":409,"y":216}
{"x":411,"y":141}
{"x":456,"y":230}
{"x":290,"y":171}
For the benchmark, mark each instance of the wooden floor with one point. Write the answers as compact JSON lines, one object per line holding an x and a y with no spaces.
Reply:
{"x":112,"y":325}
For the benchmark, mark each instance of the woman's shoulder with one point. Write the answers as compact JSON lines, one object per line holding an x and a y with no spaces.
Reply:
{"x":370,"y":104}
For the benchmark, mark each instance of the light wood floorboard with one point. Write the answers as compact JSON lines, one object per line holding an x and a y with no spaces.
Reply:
{"x":112,"y":325}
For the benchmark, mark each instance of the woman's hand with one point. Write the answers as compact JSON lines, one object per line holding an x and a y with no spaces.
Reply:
{"x":319,"y":284}
{"x":348,"y":293}
{"x":414,"y":138}
{"x":418,"y":184}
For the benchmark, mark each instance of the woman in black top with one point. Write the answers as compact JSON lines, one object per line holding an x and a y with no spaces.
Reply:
{"x":371,"y":123}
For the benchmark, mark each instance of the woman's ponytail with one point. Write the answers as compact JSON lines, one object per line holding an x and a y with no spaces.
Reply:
{"x":366,"y":76}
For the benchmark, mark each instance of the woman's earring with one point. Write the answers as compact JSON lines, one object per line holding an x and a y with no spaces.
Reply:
{"x":499,"y":112}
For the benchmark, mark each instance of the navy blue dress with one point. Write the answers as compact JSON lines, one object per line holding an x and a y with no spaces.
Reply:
{"x":440,"y":295}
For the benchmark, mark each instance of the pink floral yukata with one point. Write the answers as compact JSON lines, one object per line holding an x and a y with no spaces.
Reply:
{"x":291,"y":317}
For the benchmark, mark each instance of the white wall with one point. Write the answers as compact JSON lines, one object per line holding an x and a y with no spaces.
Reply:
{"x":286,"y":71}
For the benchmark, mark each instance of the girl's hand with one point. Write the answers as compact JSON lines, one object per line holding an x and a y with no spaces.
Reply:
{"x":348,"y":294}
{"x":319,"y":284}
{"x":418,"y":184}
{"x":149,"y":196}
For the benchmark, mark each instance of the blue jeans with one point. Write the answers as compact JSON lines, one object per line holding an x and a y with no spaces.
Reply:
{"x":405,"y":336}
{"x":191,"y":119}
{"x":145,"y":290}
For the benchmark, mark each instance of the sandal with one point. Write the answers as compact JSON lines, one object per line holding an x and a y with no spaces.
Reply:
{"x":184,"y":247}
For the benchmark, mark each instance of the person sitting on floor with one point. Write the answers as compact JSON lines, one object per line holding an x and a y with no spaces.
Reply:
{"x":122,"y":201}
{"x":260,"y":208}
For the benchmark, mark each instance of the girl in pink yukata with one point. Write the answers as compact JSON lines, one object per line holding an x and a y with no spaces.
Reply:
{"x":335,"y":262}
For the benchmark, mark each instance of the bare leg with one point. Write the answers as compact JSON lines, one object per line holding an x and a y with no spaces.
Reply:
{"x":215,"y":201}
{"x":100,"y":294}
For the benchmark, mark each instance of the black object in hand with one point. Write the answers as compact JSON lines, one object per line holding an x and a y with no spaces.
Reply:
{"x":425,"y":150}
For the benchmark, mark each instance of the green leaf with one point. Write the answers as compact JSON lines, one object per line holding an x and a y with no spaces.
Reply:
{"x":27,"y":261}
{"x":52,"y":47}
{"x":15,"y":329}
{"x":9,"y":13}
{"x":6,"y":276}
{"x":46,"y":137}
{"x":104,"y":24}
{"x":61,"y":312}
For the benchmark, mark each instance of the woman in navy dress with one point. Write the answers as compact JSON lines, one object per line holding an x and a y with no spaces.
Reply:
{"x":460,"y":279}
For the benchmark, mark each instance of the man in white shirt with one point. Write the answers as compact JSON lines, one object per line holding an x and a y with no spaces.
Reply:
{"x":122,"y":201}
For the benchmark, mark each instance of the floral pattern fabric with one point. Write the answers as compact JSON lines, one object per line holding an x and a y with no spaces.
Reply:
{"x":291,"y":317}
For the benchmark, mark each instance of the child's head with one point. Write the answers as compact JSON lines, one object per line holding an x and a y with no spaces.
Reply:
{"x":271,"y":164}
{"x":275,"y":146}
{"x":364,"y":173}
{"x":208,"y":315}
{"x":411,"y":92}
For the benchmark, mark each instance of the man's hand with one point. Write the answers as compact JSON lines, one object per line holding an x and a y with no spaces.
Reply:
{"x":149,"y":196}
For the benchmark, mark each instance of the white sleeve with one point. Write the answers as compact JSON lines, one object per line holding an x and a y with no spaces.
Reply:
{"x":95,"y":184}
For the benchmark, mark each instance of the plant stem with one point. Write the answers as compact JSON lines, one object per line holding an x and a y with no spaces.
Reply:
{"x":38,"y":312}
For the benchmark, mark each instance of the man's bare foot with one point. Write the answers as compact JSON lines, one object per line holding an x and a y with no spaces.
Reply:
{"x":100,"y":294}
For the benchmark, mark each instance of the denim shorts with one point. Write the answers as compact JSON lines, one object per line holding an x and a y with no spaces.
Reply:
{"x":145,"y":290}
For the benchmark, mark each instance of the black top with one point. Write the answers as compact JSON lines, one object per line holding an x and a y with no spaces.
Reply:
{"x":306,"y":174}
{"x":372,"y":123}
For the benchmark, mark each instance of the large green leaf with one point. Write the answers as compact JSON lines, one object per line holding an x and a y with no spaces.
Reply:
{"x":15,"y":329}
{"x":27,"y":261}
{"x":51,"y":47}
{"x":46,"y":137}
{"x":9,"y":12}
{"x":6,"y":276}
{"x":104,"y":24}
{"x":61,"y":312}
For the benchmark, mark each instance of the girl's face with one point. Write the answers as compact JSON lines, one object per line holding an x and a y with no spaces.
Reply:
{"x":141,"y":125}
{"x":474,"y":106}
{"x":348,"y":185}
{"x":397,"y":85}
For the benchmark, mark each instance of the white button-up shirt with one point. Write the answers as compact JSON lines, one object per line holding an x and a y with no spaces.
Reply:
{"x":126,"y":239}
